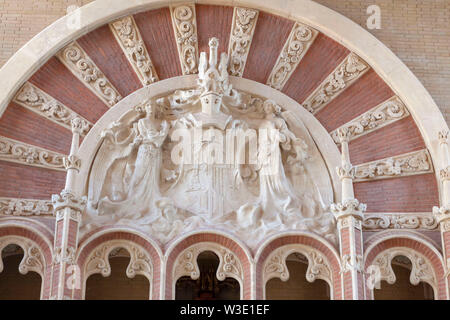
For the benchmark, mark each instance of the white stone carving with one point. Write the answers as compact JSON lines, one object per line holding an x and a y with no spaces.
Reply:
{"x":20,"y":152}
{"x":442,"y":215}
{"x":347,"y":263}
{"x":186,"y":263}
{"x":345,"y":74}
{"x":36,"y":100}
{"x":127,"y":34}
{"x":181,"y":161}
{"x":421,"y":270}
{"x":382,"y":115}
{"x":25,"y":207}
{"x":242,"y":29}
{"x":78,"y":62}
{"x":72,"y":162}
{"x":185,"y":27}
{"x":33,"y":258}
{"x":399,"y":221}
{"x":140,"y":261}
{"x":318,"y":266}
{"x":412,"y":163}
{"x":294,"y":49}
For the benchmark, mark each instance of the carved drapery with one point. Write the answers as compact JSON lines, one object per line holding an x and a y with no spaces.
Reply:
{"x":243,"y":27}
{"x":79,"y":63}
{"x":318,"y":266}
{"x":186,"y":263}
{"x":25,"y":207}
{"x":33,"y":257}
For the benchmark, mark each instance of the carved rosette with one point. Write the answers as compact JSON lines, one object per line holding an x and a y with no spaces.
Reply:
{"x":36,"y":100}
{"x":185,"y":27}
{"x":79,"y":63}
{"x":127,"y":34}
{"x":140,"y":262}
{"x":20,"y":152}
{"x":421,"y":268}
{"x":25,"y":207}
{"x":229,"y":265}
{"x":417,"y":162}
{"x":386,"y":113}
{"x":399,"y":221}
{"x":33,"y":258}
{"x":243,"y":27}
{"x":275,"y":265}
{"x":295,"y":48}
{"x":346,"y":73}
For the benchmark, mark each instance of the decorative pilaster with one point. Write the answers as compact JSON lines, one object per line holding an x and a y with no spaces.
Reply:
{"x":68,"y":208}
{"x":442,"y":213}
{"x":349,"y":216}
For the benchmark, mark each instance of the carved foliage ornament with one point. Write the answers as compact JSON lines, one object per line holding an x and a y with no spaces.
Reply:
{"x":376,"y":118}
{"x":185,"y":27}
{"x":79,"y":63}
{"x":36,"y":100}
{"x":127,"y":34}
{"x":346,"y":73}
{"x":318,"y":266}
{"x":416,"y":162}
{"x":33,"y":258}
{"x":186,"y":263}
{"x":399,"y":221}
{"x":25,"y":207}
{"x":295,"y":48}
{"x":140,"y":262}
{"x":15,"y":151}
{"x":243,"y":27}
{"x":421,"y":268}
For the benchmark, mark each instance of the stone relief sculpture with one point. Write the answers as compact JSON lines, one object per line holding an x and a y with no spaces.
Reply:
{"x":207,"y":157}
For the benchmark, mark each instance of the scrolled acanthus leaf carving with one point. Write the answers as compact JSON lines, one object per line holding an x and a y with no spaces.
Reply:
{"x":25,"y":207}
{"x":33,"y":258}
{"x":399,"y":221}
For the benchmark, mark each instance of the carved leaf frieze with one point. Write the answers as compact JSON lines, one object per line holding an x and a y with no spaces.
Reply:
{"x":127,"y":34}
{"x":243,"y":27}
{"x":417,"y":162}
{"x":36,"y":100}
{"x":25,"y":207}
{"x":345,"y":74}
{"x":20,"y":152}
{"x":79,"y":63}
{"x":185,"y":27}
{"x":384,"y":114}
{"x":399,"y":221}
{"x":295,"y":48}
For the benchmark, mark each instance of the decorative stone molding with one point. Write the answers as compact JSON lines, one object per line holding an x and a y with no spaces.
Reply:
{"x":347,"y":171}
{"x":421,"y":267}
{"x":78,"y":125}
{"x":67,"y":256}
{"x":25,"y":207}
{"x":383,"y":221}
{"x":68,"y":200}
{"x":412,"y":163}
{"x":294,"y":49}
{"x":349,"y":207}
{"x":23,"y":153}
{"x":345,"y":74}
{"x":443,"y":136}
{"x":72,"y":162}
{"x":275,"y":265}
{"x":186,"y":263}
{"x":185,"y":27}
{"x":33,"y":258}
{"x":128,"y":36}
{"x":382,"y":115}
{"x":140,"y":262}
{"x":36,"y":100}
{"x":347,"y":264}
{"x":243,"y":27}
{"x":442,"y":215}
{"x":79,"y":63}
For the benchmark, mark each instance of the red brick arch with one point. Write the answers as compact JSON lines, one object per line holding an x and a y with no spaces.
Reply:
{"x":87,"y":245}
{"x":409,"y":240}
{"x":234,"y":246}
{"x":304,"y":239}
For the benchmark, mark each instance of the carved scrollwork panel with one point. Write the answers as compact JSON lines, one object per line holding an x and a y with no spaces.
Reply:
{"x":399,"y":221}
{"x":345,"y":74}
{"x":25,"y":207}
{"x":243,"y":27}
{"x":295,"y":48}
{"x":78,"y":62}
{"x":185,"y":27}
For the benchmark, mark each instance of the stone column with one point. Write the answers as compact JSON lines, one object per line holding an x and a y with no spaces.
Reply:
{"x":349,"y":215}
{"x":68,"y":207}
{"x":442,"y":213}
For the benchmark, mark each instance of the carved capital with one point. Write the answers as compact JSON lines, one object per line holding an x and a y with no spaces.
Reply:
{"x":64,"y":256}
{"x":72,"y":162}
{"x":347,"y":171}
{"x":443,"y":137}
{"x":79,"y":125}
{"x":442,"y":215}
{"x":68,"y":200}
{"x":349,"y":207}
{"x":349,"y":264}
{"x":343,"y":134}
{"x":444,"y":174}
